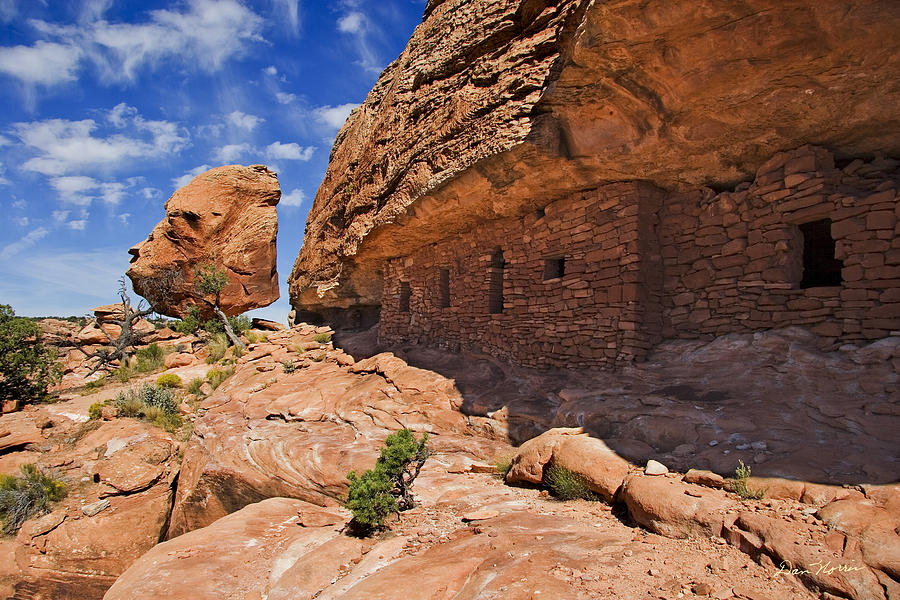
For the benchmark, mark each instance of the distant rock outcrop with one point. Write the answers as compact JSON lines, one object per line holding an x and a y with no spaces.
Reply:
{"x":496,"y":108}
{"x":225,"y":217}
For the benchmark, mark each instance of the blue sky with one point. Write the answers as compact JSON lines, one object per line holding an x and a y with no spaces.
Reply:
{"x":107,"y":107}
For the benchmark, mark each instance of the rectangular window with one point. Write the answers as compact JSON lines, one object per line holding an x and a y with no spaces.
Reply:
{"x":554,"y":268}
{"x":820,"y":267}
{"x":444,"y":288}
{"x":405,"y":293}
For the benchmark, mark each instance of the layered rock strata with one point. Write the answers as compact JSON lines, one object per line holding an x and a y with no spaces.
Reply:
{"x":224,"y":217}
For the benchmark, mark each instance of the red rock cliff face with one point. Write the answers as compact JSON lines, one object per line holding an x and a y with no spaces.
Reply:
{"x":498,"y":107}
{"x":224,"y":217}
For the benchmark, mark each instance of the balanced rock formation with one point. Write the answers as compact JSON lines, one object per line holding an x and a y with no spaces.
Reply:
{"x":225,"y":217}
{"x":496,"y":108}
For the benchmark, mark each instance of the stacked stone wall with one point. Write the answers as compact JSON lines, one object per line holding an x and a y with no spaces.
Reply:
{"x":641,"y":265}
{"x":733,"y":262}
{"x":587,"y":317}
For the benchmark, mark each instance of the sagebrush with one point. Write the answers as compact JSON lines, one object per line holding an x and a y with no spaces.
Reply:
{"x":27,"y":495}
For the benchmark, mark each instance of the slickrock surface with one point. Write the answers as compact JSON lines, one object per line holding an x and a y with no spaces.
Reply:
{"x":225,"y":216}
{"x":495,"y":108}
{"x":66,"y":553}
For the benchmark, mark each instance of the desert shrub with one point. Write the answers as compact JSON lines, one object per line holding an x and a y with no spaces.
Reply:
{"x":322,"y":338}
{"x":135,"y":402}
{"x":190,"y":323}
{"x":239,"y":324}
{"x":194,"y":385}
{"x":124,"y":372}
{"x":739,"y":484}
{"x":95,"y":411}
{"x":217,"y":346}
{"x":378,"y":492}
{"x":216,"y":377}
{"x":96,"y":384}
{"x":251,"y":336}
{"x":288,"y":366}
{"x":566,"y":484}
{"x":503,"y":466}
{"x":26,"y":366}
{"x":168,"y":380}
{"x":149,"y":358}
{"x":27,"y":495}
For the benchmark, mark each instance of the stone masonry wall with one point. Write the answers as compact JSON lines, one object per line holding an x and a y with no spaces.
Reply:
{"x":589,"y":316}
{"x":733,"y":261}
{"x":641,"y":265}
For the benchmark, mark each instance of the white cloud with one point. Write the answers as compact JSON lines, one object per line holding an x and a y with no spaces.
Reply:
{"x":284,"y":97}
{"x":231,"y":153}
{"x":294,"y":198}
{"x":21,"y":221}
{"x":78,"y":225}
{"x":291,"y":151}
{"x":4,"y":141}
{"x":289,"y":12}
{"x":334,"y":116}
{"x":244,"y":121}
{"x":124,"y":218}
{"x":353,"y":22}
{"x":72,"y":189}
{"x":271,"y":70}
{"x":60,"y":216}
{"x":112,"y":192}
{"x":69,"y":146}
{"x":23,"y":243}
{"x":20,"y":204}
{"x":204,"y":35}
{"x":180,"y":182}
{"x":151,"y":193}
{"x":45,"y":63}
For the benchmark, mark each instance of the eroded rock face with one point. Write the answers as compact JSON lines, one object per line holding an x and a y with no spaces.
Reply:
{"x":225,"y":217}
{"x":496,"y":108}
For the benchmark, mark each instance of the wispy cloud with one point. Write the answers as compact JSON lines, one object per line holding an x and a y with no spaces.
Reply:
{"x":203,"y":35}
{"x":294,"y":198}
{"x":292,"y":151}
{"x":29,"y":240}
{"x":334,"y":116}
{"x":284,"y":97}
{"x":243,"y":120}
{"x":180,"y":182}
{"x":44,"y":63}
{"x":64,"y":146}
{"x":360,"y":29}
{"x":288,"y":11}
{"x":77,"y":225}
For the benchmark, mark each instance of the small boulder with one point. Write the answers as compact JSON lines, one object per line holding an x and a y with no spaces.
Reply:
{"x":702,"y":477}
{"x":179,"y":359}
{"x":94,"y":508}
{"x":266,"y":325}
{"x":655,"y":468}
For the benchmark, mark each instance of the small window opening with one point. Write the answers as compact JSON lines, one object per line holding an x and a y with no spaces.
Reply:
{"x":539,"y":213}
{"x":554,"y":268}
{"x":444,"y":288}
{"x":820,"y":267}
{"x":405,"y":293}
{"x":495,"y":288}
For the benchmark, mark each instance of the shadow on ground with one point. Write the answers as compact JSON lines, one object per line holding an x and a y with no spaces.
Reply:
{"x":770,"y":399}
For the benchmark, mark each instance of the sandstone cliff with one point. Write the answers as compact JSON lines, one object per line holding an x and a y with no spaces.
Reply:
{"x":225,"y":217}
{"x":497,"y":107}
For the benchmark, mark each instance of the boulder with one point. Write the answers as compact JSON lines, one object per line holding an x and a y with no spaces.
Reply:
{"x":179,"y":359}
{"x":571,"y":448}
{"x":673,"y":508}
{"x":266,"y":325}
{"x":226,"y":217}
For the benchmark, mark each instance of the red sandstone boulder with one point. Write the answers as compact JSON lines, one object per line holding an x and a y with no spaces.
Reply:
{"x":571,"y":448}
{"x":673,"y":508}
{"x":224,"y":217}
{"x":56,"y":332}
{"x":179,"y":359}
